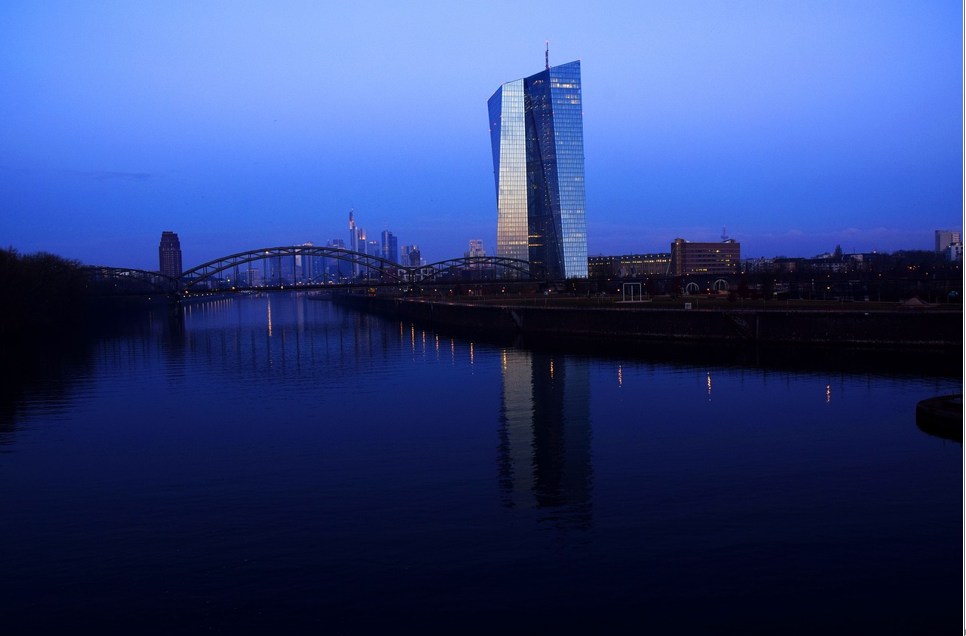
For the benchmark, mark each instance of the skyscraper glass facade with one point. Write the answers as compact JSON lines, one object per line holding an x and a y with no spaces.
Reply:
{"x":390,"y":246}
{"x":536,"y":132}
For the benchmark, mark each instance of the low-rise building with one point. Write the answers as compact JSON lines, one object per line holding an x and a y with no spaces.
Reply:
{"x":628,"y":265}
{"x":689,"y":258}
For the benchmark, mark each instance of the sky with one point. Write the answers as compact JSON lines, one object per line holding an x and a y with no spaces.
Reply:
{"x":791,"y":127}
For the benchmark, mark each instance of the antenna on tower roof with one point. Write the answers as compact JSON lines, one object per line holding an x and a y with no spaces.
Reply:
{"x":546,"y":54}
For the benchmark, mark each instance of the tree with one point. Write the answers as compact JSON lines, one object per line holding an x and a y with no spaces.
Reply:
{"x":42,"y":292}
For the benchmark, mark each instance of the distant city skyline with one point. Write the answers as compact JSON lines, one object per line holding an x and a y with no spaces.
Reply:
{"x":798,"y":127}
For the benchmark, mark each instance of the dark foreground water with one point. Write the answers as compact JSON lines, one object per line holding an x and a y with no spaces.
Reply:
{"x":278,"y":465}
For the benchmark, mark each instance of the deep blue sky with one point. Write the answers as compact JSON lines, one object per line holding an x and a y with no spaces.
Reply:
{"x":797,"y":125}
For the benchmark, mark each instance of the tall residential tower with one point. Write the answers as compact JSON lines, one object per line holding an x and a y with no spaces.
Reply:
{"x":169,"y":254}
{"x":536,"y":130}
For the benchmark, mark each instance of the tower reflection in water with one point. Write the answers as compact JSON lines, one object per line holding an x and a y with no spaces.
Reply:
{"x":544,"y":452}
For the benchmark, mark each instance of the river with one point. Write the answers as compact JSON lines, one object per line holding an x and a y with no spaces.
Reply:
{"x":277,"y":464}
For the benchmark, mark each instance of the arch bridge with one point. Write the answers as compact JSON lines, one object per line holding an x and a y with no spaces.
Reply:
{"x":128,"y":281}
{"x":308,"y":267}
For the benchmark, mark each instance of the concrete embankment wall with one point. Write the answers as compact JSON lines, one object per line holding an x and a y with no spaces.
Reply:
{"x":902,"y":327}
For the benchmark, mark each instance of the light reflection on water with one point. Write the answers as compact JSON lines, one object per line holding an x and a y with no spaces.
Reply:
{"x":277,"y":462}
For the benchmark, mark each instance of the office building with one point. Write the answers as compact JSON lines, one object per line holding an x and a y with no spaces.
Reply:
{"x":412,"y":256}
{"x":390,"y":247}
{"x":476,"y":249}
{"x":337,"y":269}
{"x":169,"y":254}
{"x":357,"y":242}
{"x":954,"y":252}
{"x":629,"y":265}
{"x":354,"y":232}
{"x":536,"y":133}
{"x":705,"y":258}
{"x":945,"y":238}
{"x":310,"y":267}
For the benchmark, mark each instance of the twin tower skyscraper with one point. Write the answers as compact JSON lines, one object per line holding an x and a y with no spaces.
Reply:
{"x":536,"y":131}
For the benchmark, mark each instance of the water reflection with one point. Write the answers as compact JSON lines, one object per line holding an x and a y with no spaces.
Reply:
{"x":269,"y":304}
{"x":284,"y":333}
{"x":37,"y":373}
{"x":545,"y":435}
{"x":47,"y":373}
{"x":341,"y":465}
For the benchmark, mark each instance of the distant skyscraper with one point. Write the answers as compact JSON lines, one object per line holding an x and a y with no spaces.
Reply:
{"x":390,"y":246}
{"x":169,"y":254}
{"x":476,"y":251}
{"x":536,"y":131}
{"x":309,"y":268}
{"x":476,"y":248}
{"x":412,"y":258}
{"x":357,"y":242}
{"x":335,"y":268}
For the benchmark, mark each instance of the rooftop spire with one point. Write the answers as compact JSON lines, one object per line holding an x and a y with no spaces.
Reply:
{"x":546,"y":54}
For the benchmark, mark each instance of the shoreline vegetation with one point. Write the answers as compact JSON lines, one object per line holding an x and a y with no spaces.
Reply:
{"x":48,"y":299}
{"x":42,"y":294}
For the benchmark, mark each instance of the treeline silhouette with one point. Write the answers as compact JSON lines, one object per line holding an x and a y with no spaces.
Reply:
{"x":42,"y":293}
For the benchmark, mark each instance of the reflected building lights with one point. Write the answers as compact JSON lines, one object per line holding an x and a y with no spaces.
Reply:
{"x":620,"y":376}
{"x":709,"y":386}
{"x":300,"y":317}
{"x":545,"y":435}
{"x":828,"y":393}
{"x":269,"y":315}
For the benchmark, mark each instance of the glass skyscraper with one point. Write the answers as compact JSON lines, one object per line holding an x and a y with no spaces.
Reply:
{"x":536,"y":130}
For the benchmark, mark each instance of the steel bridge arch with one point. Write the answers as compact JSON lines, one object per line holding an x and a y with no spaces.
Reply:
{"x":435,"y":271}
{"x":97,"y":275}
{"x":203,"y":275}
{"x":207,"y":272}
{"x":388,"y":271}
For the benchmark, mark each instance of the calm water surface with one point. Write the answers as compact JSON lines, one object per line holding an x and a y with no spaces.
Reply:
{"x":277,"y":464}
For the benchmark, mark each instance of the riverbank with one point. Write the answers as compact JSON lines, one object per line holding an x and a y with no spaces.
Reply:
{"x":899,"y":326}
{"x":942,"y":416}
